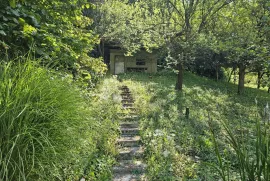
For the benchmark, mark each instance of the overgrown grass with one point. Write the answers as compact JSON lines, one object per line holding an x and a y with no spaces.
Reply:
{"x":252,"y":157}
{"x":181,"y":148}
{"x":50,"y":129}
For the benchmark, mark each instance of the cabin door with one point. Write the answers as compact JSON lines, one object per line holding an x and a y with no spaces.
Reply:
{"x":119,"y":64}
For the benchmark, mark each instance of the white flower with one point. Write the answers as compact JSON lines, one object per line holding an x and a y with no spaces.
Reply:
{"x":158,"y":132}
{"x":166,"y":153}
{"x":82,"y":179}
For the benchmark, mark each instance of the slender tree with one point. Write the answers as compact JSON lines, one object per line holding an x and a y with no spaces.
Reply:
{"x":240,"y":34}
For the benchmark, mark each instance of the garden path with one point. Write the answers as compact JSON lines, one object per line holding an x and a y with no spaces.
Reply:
{"x":130,"y":165}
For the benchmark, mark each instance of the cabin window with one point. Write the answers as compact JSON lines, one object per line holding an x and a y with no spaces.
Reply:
{"x":140,"y":62}
{"x":136,"y":69}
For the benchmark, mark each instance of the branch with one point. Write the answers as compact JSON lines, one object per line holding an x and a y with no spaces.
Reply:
{"x":206,"y":16}
{"x":174,"y":6}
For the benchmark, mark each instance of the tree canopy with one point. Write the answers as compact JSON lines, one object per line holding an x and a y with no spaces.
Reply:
{"x":238,"y":27}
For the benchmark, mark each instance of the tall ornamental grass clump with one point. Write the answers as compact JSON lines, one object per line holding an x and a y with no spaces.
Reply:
{"x":43,"y":124}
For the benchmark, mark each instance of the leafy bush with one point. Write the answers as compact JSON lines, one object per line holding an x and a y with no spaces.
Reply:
{"x":207,"y":62}
{"x":48,"y":129}
{"x":55,"y":30}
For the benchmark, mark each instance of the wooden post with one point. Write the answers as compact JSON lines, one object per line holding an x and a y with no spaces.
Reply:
{"x":187,"y":112}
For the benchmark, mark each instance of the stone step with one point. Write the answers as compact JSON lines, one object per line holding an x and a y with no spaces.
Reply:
{"x":129,"y":141}
{"x":129,"y":125}
{"x":129,"y":131}
{"x":129,"y":166}
{"x":129,"y":118}
{"x":124,"y":87}
{"x":129,"y":104}
{"x":126,"y":91}
{"x":129,"y":177}
{"x":127,"y":97}
{"x":128,"y":115}
{"x":125,"y":94}
{"x":125,"y":113}
{"x":127,"y":153}
{"x":130,"y":98}
{"x":129,"y":108}
{"x":124,"y":101}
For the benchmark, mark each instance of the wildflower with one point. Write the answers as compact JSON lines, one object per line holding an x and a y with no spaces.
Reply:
{"x":82,"y":179}
{"x":158,"y":132}
{"x":166,"y":153}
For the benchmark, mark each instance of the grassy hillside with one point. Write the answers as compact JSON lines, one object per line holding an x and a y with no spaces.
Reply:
{"x":180,"y":147}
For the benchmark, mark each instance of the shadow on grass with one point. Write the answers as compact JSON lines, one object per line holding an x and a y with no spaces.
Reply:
{"x":204,"y":97}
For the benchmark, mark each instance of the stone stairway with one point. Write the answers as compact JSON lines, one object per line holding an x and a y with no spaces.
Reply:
{"x":130,"y":165}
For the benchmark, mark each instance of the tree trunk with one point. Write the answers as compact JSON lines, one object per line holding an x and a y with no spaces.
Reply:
{"x":259,"y":80}
{"x":179,"y":83}
{"x":241,"y":82}
{"x":74,"y":74}
{"x":217,"y":69}
{"x":230,"y":76}
{"x":101,"y":48}
{"x":234,"y":76}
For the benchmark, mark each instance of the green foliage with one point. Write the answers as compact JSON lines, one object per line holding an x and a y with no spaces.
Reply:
{"x":237,"y":27}
{"x":55,"y":30}
{"x":88,"y":71}
{"x":207,"y":59}
{"x":48,"y":129}
{"x":129,"y":25}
